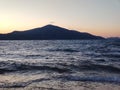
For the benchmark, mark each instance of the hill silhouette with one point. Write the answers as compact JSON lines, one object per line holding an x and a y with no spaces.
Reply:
{"x":48,"y":32}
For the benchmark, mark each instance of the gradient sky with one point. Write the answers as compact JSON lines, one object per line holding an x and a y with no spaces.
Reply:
{"x":99,"y":17}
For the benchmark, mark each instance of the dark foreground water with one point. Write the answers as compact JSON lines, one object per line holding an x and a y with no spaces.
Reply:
{"x":24,"y":63}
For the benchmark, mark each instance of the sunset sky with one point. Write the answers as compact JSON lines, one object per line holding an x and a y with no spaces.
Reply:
{"x":99,"y":17}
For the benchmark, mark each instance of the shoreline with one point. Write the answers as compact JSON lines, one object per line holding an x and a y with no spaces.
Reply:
{"x":78,"y":85}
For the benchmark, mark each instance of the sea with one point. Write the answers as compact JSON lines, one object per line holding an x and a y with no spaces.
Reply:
{"x":28,"y":62}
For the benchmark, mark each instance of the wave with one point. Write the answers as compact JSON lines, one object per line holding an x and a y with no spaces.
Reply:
{"x":112,"y":79}
{"x":90,"y":66}
{"x":100,"y":67}
{"x":82,"y":66}
{"x":64,"y":50}
{"x":100,"y":79}
{"x":6,"y":67}
{"x":22,"y":84}
{"x":9,"y":66}
{"x":112,"y":55}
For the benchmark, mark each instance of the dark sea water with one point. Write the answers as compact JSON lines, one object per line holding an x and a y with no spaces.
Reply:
{"x":23,"y":63}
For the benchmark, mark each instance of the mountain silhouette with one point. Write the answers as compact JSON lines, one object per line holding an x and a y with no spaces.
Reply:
{"x":48,"y":32}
